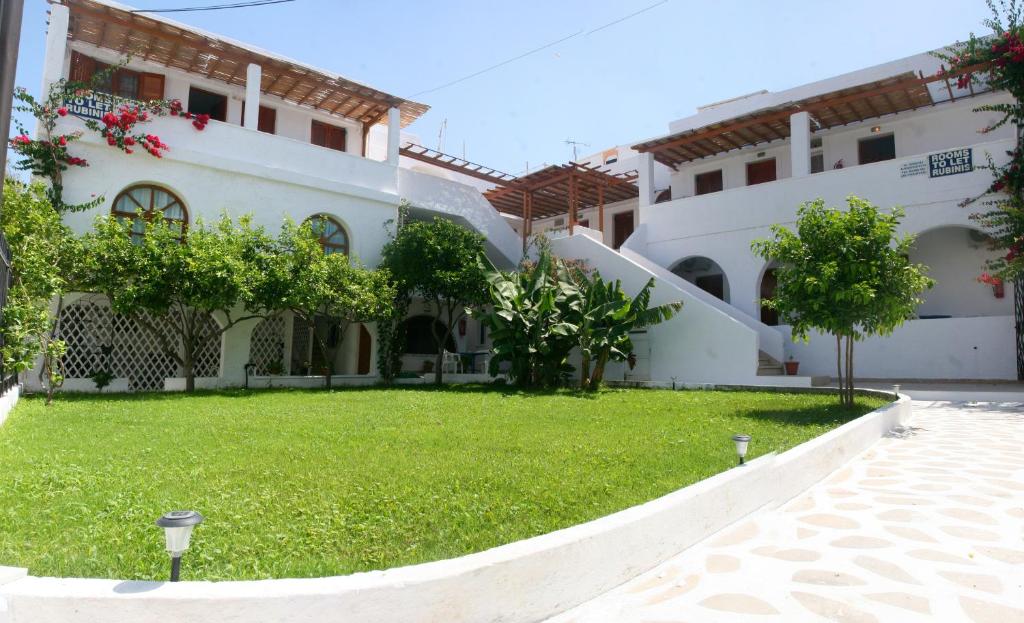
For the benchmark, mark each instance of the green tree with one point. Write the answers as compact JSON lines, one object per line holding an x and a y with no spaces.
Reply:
{"x":607,"y":317}
{"x":437,"y":261}
{"x":324,"y":291}
{"x":845,"y":273}
{"x":176,"y":277}
{"x":44,"y":257}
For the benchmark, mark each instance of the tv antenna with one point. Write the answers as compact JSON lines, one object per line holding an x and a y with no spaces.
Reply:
{"x":440,"y":134}
{"x":575,"y":144}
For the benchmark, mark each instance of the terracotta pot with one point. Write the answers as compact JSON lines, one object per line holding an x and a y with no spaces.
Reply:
{"x":791,"y":367}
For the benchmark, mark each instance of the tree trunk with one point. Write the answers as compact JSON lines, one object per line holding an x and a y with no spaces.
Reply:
{"x":849,"y":368}
{"x":839,"y":369}
{"x":598,"y":376}
{"x":188,"y":367}
{"x":584,"y":371}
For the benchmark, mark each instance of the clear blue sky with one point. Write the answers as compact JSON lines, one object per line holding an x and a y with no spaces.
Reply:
{"x":620,"y":84}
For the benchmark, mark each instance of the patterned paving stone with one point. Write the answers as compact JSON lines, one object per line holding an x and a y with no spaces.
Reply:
{"x":923,"y":527}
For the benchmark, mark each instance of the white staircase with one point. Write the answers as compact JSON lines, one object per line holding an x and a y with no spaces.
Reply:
{"x":428,"y":194}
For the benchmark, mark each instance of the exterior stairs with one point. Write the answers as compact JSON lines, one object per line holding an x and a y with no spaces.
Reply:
{"x":768,"y":365}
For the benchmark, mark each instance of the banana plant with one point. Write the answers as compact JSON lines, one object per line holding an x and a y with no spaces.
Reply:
{"x":607,"y":317}
{"x":533,"y":321}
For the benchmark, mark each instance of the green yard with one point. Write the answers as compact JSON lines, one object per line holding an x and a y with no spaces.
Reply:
{"x":311,"y":483}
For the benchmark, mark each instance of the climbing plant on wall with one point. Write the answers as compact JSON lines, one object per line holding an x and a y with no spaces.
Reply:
{"x":998,"y":60}
{"x":49,"y":154}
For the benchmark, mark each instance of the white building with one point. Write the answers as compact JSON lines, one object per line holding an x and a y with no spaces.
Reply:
{"x":290,"y":139}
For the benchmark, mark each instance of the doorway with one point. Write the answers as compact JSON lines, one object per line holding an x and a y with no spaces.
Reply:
{"x":623,"y":228}
{"x":365,"y":343}
{"x":202,"y":102}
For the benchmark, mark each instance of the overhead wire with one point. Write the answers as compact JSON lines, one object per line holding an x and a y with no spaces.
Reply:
{"x":214,"y":7}
{"x":539,"y":49}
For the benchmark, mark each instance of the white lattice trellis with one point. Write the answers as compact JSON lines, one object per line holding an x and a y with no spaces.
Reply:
{"x":266,"y":346}
{"x":87,"y":326}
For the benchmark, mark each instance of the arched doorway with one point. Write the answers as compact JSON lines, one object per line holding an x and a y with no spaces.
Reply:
{"x":766,"y":290}
{"x":706,"y":274}
{"x":955,"y":256}
{"x":365,"y":346}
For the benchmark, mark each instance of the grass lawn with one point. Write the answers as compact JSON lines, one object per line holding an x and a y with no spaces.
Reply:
{"x":313,"y":483}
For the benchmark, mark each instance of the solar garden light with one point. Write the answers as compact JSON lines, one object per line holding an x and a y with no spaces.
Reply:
{"x":249,"y":369}
{"x":177,"y":527}
{"x":741,"y":442}
{"x":896,"y":389}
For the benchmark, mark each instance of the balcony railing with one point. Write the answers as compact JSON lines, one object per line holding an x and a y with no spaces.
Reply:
{"x":244,"y":150}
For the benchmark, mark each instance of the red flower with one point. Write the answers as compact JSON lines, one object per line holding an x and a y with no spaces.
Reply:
{"x":128,"y":140}
{"x":128,"y":150}
{"x":111,"y":141}
{"x":63,"y":112}
{"x":109,"y":119}
{"x":63,"y":140}
{"x":21,"y":140}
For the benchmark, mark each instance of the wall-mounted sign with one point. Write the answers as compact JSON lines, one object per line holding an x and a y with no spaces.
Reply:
{"x":952,"y":162}
{"x":913,"y":167}
{"x":93,"y":105}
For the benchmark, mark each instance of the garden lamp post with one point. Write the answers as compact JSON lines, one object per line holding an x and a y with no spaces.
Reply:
{"x":249,"y":369}
{"x":177,"y":527}
{"x":741,"y":442}
{"x":896,"y":390}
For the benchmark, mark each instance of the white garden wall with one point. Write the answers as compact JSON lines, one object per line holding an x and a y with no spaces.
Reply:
{"x":521,"y":582}
{"x":979,"y":348}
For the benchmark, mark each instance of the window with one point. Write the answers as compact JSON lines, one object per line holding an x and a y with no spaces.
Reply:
{"x":333,"y":238}
{"x":876,"y":149}
{"x":817,"y":163}
{"x":140,"y":203}
{"x":122,"y":82}
{"x":761,"y":171}
{"x":329,"y":136}
{"x":202,"y":102}
{"x":583,"y":222}
{"x":710,"y":182}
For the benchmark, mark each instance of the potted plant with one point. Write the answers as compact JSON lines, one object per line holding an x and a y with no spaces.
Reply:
{"x":791,"y":366}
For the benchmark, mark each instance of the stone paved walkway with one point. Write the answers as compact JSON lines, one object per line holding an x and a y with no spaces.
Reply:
{"x":924,"y":526}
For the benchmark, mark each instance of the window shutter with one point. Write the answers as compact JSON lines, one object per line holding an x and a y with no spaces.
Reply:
{"x":336,"y":139}
{"x":267,"y":120}
{"x":82,"y":67}
{"x":319,"y":134}
{"x":151,"y":87}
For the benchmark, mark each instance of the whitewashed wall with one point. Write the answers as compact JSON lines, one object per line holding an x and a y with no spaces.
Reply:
{"x":979,"y":348}
{"x":722,"y":225}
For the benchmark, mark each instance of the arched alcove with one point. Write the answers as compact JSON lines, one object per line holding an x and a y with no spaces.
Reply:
{"x":704,"y":273}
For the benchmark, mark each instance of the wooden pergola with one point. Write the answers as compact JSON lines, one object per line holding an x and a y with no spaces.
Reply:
{"x":551,"y":191}
{"x":562,"y":189}
{"x":888,"y":96}
{"x":167,"y":43}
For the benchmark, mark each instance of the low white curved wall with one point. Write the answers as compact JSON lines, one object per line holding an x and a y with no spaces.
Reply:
{"x":519,"y":582}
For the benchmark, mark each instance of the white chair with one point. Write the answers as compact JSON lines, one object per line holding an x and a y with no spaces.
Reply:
{"x":485,"y":362}
{"x":452,"y":361}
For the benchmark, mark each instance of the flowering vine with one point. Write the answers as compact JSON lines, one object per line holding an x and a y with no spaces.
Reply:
{"x":48,"y":156}
{"x":998,"y":60}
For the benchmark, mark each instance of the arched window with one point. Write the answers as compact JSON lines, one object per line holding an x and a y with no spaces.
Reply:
{"x":332,"y":235}
{"x":149,"y":200}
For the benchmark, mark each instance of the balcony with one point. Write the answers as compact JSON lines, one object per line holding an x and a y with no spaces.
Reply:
{"x":234,"y":149}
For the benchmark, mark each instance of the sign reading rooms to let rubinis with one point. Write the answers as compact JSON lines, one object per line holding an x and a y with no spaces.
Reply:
{"x":952,"y":162}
